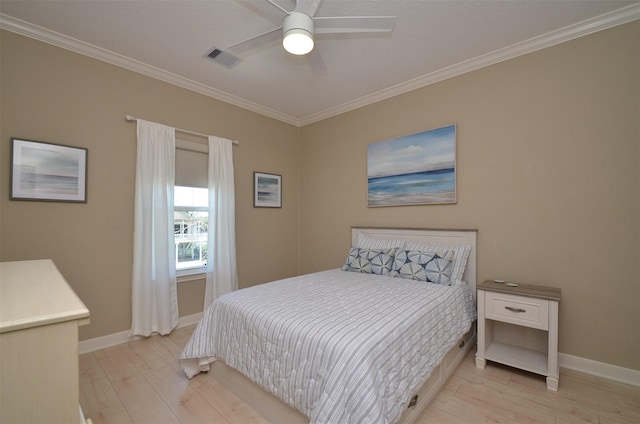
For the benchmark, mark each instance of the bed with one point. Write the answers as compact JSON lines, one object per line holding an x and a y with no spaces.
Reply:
{"x":374,"y":345}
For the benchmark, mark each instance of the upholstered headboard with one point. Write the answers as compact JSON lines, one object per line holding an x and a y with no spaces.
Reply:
{"x":429,"y":236}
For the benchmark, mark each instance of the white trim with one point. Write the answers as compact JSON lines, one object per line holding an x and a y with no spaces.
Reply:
{"x":587,"y":366}
{"x":183,"y":278}
{"x":110,"y":340}
{"x":580,"y":29}
{"x":45,"y":35}
{"x":192,"y":146}
{"x":600,"y":369}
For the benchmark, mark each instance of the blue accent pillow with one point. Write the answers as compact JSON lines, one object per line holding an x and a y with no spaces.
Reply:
{"x":369,"y":261}
{"x":423,"y":266}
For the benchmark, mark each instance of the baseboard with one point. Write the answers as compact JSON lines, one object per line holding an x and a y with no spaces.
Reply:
{"x":600,"y":369}
{"x":587,"y":366}
{"x":91,"y":345}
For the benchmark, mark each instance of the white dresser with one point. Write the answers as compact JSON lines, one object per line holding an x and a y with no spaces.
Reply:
{"x":39,"y":319}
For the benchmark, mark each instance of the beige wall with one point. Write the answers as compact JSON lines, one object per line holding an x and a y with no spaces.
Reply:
{"x":49,"y":94}
{"x":548,"y":171}
{"x":548,"y":162}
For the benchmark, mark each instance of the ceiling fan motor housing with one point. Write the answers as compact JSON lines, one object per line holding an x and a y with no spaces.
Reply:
{"x":297,"y":28}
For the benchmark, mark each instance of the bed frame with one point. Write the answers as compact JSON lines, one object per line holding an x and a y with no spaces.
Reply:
{"x":276,"y":411}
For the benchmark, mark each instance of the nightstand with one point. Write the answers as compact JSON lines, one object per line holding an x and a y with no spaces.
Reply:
{"x":518,"y":326}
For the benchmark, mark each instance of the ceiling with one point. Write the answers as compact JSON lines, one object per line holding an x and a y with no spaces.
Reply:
{"x":432,"y":40}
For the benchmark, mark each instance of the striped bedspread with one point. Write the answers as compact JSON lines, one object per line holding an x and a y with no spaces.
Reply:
{"x":340,"y":347}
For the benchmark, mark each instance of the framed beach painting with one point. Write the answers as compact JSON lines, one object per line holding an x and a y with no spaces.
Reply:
{"x":48,"y":172}
{"x":417,"y":169}
{"x":267,"y":190}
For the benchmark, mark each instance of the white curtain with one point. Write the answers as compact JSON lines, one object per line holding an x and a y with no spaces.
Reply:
{"x":154,"y":292}
{"x":222,"y":274}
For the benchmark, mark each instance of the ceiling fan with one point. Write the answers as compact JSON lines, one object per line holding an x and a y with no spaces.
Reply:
{"x":299,"y":27}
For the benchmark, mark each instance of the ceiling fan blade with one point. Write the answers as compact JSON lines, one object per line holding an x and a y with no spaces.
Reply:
{"x":273,"y":3}
{"x":308,"y":7}
{"x":353,"y":24}
{"x":256,"y":41}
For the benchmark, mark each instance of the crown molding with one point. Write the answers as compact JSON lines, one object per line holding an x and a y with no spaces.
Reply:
{"x":69,"y":43}
{"x":580,"y":29}
{"x":590,"y":26}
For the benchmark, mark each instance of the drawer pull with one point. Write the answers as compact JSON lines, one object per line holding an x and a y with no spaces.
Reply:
{"x":512,"y":309}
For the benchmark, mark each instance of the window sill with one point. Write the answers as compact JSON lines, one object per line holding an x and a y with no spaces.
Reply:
{"x":191,"y":277}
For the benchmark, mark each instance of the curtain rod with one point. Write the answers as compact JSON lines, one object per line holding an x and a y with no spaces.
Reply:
{"x":133,"y":118}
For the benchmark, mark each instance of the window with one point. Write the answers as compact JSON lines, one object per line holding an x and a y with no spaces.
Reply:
{"x":190,"y":229}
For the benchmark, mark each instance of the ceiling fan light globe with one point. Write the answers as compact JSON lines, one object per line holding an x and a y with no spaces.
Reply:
{"x":298,"y":41}
{"x":297,"y":32}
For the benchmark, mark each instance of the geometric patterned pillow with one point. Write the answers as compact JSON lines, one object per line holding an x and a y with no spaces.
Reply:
{"x":369,"y":261}
{"x":423,"y":266}
{"x":461,"y":254}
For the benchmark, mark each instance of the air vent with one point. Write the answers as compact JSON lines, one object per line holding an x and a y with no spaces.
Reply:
{"x":223,"y":58}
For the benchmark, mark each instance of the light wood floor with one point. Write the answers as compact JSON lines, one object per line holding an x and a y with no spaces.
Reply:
{"x":140,"y":382}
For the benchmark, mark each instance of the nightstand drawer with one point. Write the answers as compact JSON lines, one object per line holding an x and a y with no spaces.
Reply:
{"x":527,"y":311}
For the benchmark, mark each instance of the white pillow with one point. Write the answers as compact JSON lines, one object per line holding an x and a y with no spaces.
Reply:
{"x":366,"y":242}
{"x":460,"y":255}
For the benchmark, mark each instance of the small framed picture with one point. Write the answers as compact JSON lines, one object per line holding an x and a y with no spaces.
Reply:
{"x":267,"y":190}
{"x":48,"y":172}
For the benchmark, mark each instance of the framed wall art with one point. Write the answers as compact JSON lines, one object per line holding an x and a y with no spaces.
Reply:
{"x":417,"y":169}
{"x":267,"y":190}
{"x":48,"y":172}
